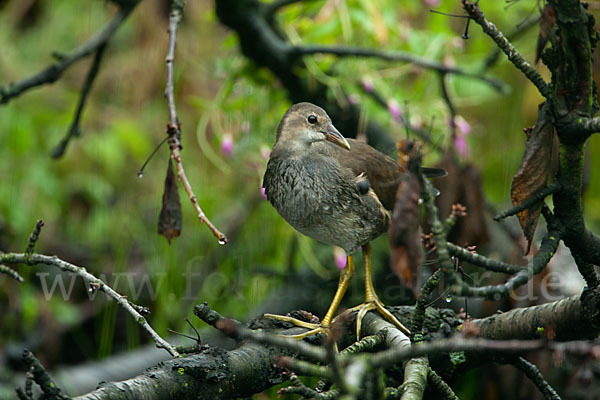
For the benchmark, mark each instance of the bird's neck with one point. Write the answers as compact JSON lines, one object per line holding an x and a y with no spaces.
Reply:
{"x":298,"y":148}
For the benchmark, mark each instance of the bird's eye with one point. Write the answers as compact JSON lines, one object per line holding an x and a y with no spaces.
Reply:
{"x":312,"y":119}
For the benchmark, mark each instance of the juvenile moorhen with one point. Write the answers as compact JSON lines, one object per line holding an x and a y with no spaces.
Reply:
{"x":335,"y":190}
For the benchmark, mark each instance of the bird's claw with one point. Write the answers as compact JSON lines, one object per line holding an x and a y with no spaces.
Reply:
{"x":374,"y":304}
{"x":313,"y":328}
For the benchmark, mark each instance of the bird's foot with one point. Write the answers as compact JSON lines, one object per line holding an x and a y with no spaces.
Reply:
{"x":313,"y":328}
{"x":374,"y":304}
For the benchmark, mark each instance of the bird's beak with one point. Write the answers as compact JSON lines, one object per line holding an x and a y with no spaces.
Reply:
{"x":335,"y":137}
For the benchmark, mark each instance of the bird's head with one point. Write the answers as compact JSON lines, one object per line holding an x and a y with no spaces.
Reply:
{"x":304,"y":124}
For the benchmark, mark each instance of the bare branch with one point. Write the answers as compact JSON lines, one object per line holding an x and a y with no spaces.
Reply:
{"x":537,"y":378}
{"x":74,"y":129}
{"x":484,"y":262}
{"x":297,"y":51}
{"x":35,"y":234}
{"x":12,"y":273}
{"x":536,"y":198}
{"x":513,"y":55}
{"x":53,"y":72}
{"x":174,"y":127}
{"x":34,"y":258}
{"x":534,"y":266}
{"x":42,"y":378}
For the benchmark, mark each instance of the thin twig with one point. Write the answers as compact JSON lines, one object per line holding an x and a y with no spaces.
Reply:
{"x":521,"y":29}
{"x":424,"y":299}
{"x":534,"y":266}
{"x":42,"y":378}
{"x":74,"y":129}
{"x":449,"y":104}
{"x":298,"y":51}
{"x":12,"y":273}
{"x":536,"y":198}
{"x":53,"y":72}
{"x":513,"y":55}
{"x":484,"y":262}
{"x":173,"y":127}
{"x":35,"y":234}
{"x":34,"y":258}
{"x":444,"y":391}
{"x":537,"y":378}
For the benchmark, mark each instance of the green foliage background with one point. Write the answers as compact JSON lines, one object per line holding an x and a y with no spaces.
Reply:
{"x":99,"y":214}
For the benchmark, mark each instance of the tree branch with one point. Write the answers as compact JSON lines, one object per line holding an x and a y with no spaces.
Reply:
{"x":53,"y":72}
{"x":74,"y":129}
{"x":483,"y":262}
{"x":174,"y":126}
{"x":537,"y":378}
{"x":415,"y":378}
{"x":534,"y":266}
{"x":94,"y":283}
{"x":513,"y":55}
{"x":536,"y":198}
{"x":339,"y":51}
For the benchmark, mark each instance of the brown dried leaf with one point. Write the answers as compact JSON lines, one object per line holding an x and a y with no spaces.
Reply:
{"x":169,"y":220}
{"x":533,"y":173}
{"x":547,"y":21}
{"x":405,"y":231}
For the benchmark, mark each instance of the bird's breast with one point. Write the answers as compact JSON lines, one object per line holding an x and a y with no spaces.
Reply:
{"x":321,"y":200}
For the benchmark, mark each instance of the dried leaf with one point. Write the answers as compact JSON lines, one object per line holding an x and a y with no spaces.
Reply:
{"x":169,"y":220}
{"x":547,"y":21}
{"x":534,"y":171}
{"x":405,"y":231}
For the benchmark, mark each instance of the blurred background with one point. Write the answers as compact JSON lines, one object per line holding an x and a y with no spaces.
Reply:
{"x":100,"y":215}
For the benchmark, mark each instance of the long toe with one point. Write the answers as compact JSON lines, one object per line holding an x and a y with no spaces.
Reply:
{"x":313,"y":328}
{"x":376,"y":304}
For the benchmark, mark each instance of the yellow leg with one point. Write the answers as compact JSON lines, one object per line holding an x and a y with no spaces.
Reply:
{"x":372,"y":302}
{"x":343,"y":283}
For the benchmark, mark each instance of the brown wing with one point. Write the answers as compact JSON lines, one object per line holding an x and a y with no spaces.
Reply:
{"x":383,"y":172}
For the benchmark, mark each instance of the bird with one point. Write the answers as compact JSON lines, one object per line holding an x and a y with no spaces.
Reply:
{"x":336,"y":190}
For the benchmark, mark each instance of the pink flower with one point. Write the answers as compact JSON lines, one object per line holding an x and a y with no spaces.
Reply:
{"x":339,"y":257}
{"x":367,"y":84}
{"x":462,"y":125}
{"x":460,"y":142}
{"x":263,"y":193}
{"x":394,"y":109}
{"x":463,"y":129}
{"x":227,"y":145}
{"x":265,"y":152}
{"x":432,"y":3}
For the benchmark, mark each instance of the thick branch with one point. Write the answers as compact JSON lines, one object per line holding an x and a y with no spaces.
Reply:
{"x":573,"y":318}
{"x":415,"y":378}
